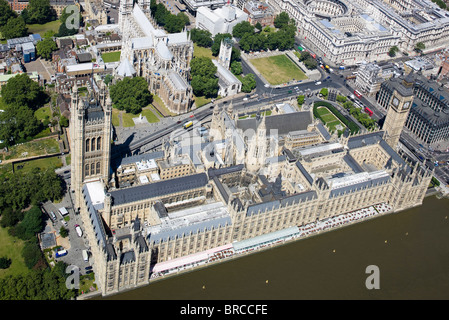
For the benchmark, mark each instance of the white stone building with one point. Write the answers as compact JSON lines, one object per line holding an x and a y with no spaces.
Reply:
{"x":221,"y":20}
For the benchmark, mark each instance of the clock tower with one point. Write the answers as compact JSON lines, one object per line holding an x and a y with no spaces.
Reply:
{"x":398,"y":108}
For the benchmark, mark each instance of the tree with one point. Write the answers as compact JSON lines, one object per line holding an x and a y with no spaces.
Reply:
{"x":202,"y":38}
{"x":419,"y":47}
{"x":45,"y":47}
{"x":310,"y":63}
{"x":393,"y":50}
{"x":64,"y":122}
{"x":281,"y":20}
{"x":14,"y":28}
{"x":131,"y":95}
{"x":248,"y":82}
{"x":217,"y":42}
{"x":258,"y":26}
{"x":204,"y":82}
{"x":63,"y":232}
{"x":108,"y":79}
{"x":236,"y":67}
{"x":21,"y":90}
{"x":324,"y":92}
{"x":5,"y":263}
{"x":242,"y":28}
{"x":30,"y":225}
{"x":39,"y":11}
{"x":69,"y":28}
{"x":19,"y":123}
{"x":5,"y":12}
{"x":31,"y":254}
{"x":300,"y":100}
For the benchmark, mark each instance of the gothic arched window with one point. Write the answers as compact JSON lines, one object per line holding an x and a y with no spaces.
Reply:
{"x":98,"y":168}
{"x":99,"y":143}
{"x":87,"y":145}
{"x":93,"y":144}
{"x":86,"y":170}
{"x":92,"y":169}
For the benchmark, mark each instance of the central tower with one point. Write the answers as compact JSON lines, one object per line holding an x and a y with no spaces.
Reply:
{"x":90,"y":134}
{"x":398,"y":109}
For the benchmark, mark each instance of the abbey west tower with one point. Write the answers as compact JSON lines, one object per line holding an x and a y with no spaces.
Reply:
{"x":90,"y":132}
{"x":398,"y":109}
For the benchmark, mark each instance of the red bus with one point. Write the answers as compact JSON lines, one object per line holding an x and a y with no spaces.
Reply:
{"x":367,"y":110}
{"x":358,"y":94}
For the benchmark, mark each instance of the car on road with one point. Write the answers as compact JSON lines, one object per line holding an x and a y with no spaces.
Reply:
{"x":179,"y":121}
{"x":191,"y":116}
{"x":245,"y":99}
{"x":78,"y":230}
{"x":318,"y":83}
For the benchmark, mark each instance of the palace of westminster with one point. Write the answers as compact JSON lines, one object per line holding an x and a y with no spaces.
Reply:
{"x":245,"y":178}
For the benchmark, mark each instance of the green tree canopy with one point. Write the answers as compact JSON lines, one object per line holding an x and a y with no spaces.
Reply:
{"x":248,"y":82}
{"x":131,"y":95}
{"x":202,"y":38}
{"x":19,"y":123}
{"x":217,"y":42}
{"x":39,"y":11}
{"x":204,"y":82}
{"x":14,"y":28}
{"x":23,"y":91}
{"x":5,"y":12}
{"x":281,"y":20}
{"x":242,"y":28}
{"x":45,"y":48}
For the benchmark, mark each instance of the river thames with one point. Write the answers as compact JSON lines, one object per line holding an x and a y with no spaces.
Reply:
{"x":409,"y":248}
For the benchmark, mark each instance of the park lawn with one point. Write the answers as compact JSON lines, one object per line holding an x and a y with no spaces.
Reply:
{"x":43,"y":164}
{"x":115,"y":117}
{"x":11,"y":248}
{"x":42,"y":112}
{"x":330,"y":120}
{"x":201,"y":101}
{"x":43,"y":28}
{"x":278,"y":69}
{"x":33,"y":148}
{"x":202,"y":52}
{"x":127,"y":119}
{"x":111,"y":56}
{"x":149,"y":113}
{"x":160,"y":105}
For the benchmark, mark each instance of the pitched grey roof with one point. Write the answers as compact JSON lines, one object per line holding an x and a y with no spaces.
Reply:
{"x":158,"y":189}
{"x":195,"y":228}
{"x":269,"y":205}
{"x":283,"y":123}
{"x":361,"y":185}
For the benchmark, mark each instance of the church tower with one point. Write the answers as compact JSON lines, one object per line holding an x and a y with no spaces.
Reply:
{"x":398,"y":109}
{"x":224,"y":56}
{"x":90,"y":134}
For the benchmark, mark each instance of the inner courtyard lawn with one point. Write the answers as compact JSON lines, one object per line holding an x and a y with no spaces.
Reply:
{"x":278,"y":69}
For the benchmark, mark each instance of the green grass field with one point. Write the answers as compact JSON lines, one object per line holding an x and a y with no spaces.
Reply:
{"x":33,"y":148}
{"x":202,"y":52}
{"x":278,"y":69}
{"x":11,"y":248}
{"x":330,"y":120}
{"x":41,"y":113}
{"x":43,"y":164}
{"x":42,"y":28}
{"x":150,"y":114}
{"x":111,"y":56}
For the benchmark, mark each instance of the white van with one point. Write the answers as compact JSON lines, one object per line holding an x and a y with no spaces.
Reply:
{"x":318,"y":83}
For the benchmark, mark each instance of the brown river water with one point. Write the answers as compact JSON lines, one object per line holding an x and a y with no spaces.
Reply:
{"x":409,"y":248}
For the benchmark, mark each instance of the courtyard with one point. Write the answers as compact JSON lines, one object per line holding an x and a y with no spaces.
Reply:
{"x":278,"y":69}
